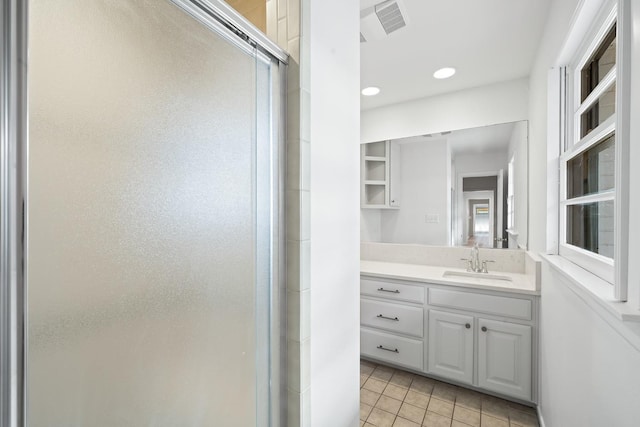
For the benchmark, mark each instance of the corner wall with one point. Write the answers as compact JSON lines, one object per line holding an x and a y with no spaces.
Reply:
{"x":334,"y":212}
{"x":589,"y":363}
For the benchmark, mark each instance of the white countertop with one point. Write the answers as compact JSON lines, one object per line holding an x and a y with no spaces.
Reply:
{"x":520,"y":283}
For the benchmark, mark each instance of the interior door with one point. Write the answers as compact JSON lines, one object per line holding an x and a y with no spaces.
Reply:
{"x":150,"y":218}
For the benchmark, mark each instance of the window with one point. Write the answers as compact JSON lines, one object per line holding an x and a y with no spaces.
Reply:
{"x":590,"y":201}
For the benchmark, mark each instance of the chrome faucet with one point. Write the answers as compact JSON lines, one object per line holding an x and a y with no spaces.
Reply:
{"x":475,"y":258}
{"x":473,"y":263}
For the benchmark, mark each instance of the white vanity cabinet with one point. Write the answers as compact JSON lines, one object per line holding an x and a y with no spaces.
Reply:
{"x":483,"y":339}
{"x":450,"y":346}
{"x":392,"y":322}
{"x":504,"y":358}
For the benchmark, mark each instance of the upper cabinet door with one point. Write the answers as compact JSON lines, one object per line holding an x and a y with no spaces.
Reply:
{"x":504,"y":358}
{"x":451,"y":346}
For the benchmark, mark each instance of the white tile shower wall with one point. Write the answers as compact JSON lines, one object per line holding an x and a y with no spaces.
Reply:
{"x":284,"y":26}
{"x":507,"y":260}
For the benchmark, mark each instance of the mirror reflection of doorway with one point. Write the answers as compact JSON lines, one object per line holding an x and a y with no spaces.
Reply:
{"x":480,"y":188}
{"x":479,"y":215}
{"x":480,"y":230}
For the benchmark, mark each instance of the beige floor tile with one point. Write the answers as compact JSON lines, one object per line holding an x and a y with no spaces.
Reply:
{"x":395,"y":391}
{"x":363,"y":379}
{"x":401,"y":422}
{"x":488,"y":421}
{"x":435,"y":420}
{"x":380,"y":418}
{"x":418,"y":399}
{"x":368,"y":363}
{"x":466,"y":416}
{"x":523,"y":419}
{"x":440,"y":407}
{"x":374,"y":384}
{"x":519,"y":407}
{"x":366,"y":369}
{"x":389,"y":404}
{"x":412,"y":413}
{"x":382,"y":373}
{"x":469,"y":401}
{"x":422,"y":385}
{"x":495,"y":408}
{"x":369,"y":397}
{"x":365,"y":410}
{"x":444,"y":392}
{"x":395,"y":398}
{"x":401,"y":379}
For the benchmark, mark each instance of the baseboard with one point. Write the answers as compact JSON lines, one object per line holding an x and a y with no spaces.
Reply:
{"x":540,"y":419}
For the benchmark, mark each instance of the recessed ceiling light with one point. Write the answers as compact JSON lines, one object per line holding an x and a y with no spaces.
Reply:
{"x":370,"y":91}
{"x":444,"y":73}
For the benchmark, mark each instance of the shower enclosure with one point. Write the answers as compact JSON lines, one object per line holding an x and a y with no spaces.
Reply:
{"x":152,"y":293}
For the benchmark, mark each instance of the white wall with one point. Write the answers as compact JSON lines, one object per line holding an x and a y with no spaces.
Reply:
{"x":482,"y":106}
{"x":370,"y":225}
{"x":518,"y":150}
{"x":490,"y":161}
{"x":589,"y":373}
{"x":334,"y":210}
{"x":423,"y":190}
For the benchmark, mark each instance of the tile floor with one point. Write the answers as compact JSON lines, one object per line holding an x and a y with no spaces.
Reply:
{"x":396,"y":398}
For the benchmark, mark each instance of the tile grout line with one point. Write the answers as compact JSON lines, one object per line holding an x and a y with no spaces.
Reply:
{"x":446,"y":394}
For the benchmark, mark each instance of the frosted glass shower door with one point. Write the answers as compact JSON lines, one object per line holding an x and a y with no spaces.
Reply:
{"x":150,"y":213}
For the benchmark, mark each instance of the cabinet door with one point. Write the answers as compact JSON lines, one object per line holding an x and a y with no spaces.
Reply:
{"x":394,"y":175}
{"x":451,"y":345}
{"x":504,"y":358}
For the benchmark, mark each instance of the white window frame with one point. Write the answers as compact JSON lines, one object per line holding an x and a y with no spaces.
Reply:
{"x":614,"y":271}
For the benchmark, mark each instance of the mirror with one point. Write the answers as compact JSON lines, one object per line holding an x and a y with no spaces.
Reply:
{"x":452,"y":188}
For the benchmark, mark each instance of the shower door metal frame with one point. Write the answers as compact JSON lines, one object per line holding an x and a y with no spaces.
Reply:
{"x":226,"y":22}
{"x":13,"y":136}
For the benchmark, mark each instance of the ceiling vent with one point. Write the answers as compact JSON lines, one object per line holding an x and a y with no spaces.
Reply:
{"x":382,"y":19}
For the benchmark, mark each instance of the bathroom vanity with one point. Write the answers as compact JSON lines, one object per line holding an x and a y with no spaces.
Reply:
{"x":422,"y":311}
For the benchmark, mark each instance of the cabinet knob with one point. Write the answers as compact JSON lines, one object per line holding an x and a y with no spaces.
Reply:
{"x":468,"y":326}
{"x":484,"y":329}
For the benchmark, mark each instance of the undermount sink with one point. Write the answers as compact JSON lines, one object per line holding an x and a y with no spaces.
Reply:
{"x":471,"y":274}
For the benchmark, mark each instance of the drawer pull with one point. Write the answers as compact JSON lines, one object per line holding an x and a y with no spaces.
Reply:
{"x":484,"y":329}
{"x":388,"y":318}
{"x":468,"y":326}
{"x":387,"y":290}
{"x":388,"y":349}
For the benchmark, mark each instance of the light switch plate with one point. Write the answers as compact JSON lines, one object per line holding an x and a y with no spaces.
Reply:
{"x":432,"y":218}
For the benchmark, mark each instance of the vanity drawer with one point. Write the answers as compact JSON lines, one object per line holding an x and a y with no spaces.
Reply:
{"x":518,"y":308}
{"x":392,"y":291}
{"x":393,"y":317}
{"x":391,"y":348}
